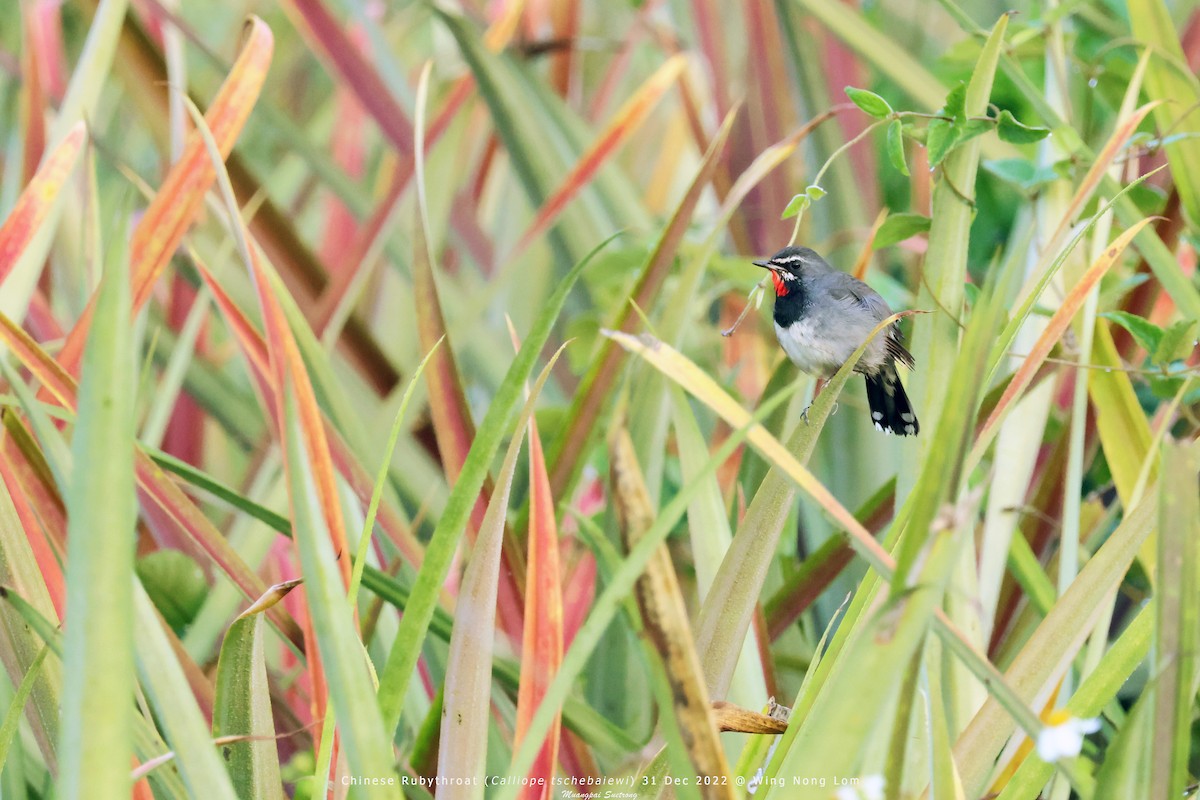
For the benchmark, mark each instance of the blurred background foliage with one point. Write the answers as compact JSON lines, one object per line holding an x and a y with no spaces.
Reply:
{"x":327,"y":307}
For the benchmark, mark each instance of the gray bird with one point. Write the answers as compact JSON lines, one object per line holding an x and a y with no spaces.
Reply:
{"x":822,"y":315}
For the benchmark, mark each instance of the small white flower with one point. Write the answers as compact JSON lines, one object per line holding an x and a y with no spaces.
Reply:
{"x":1064,"y":738}
{"x":868,"y":787}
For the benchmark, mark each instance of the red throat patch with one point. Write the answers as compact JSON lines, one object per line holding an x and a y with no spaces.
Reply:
{"x":780,"y":285}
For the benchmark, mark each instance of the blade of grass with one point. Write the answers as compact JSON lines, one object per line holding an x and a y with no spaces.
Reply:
{"x":935,"y":343}
{"x":1035,"y":670}
{"x":542,"y":645}
{"x":39,"y":198}
{"x":19,"y":643}
{"x":463,"y":747}
{"x":1054,"y":329}
{"x":181,"y":196}
{"x":1171,"y":80}
{"x":543,"y":137}
{"x":623,"y":124}
{"x":1096,"y":691}
{"x":348,"y":61}
{"x":615,"y":594}
{"x":819,"y":569}
{"x":16,"y":708}
{"x":1124,"y":432}
{"x":665,"y":617}
{"x":98,"y":661}
{"x":173,"y":703}
{"x":289,"y":371}
{"x":401,"y":661}
{"x":710,"y":535}
{"x":566,"y":456}
{"x":363,"y":736}
{"x":452,"y":423}
{"x":1032,"y":292}
{"x":243,"y":703}
{"x":360,"y":559}
{"x":1178,"y":619}
{"x":82,"y":97}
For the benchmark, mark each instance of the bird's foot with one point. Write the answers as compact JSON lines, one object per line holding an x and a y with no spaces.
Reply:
{"x":804,"y":413}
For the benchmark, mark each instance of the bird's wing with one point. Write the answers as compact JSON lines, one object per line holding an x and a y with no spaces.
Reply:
{"x":850,"y":291}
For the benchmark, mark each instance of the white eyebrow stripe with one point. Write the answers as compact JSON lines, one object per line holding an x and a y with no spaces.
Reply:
{"x":787,"y":260}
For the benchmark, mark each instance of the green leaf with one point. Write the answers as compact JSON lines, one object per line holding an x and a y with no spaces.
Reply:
{"x":797,"y":204}
{"x":16,"y":708}
{"x":1165,"y":388}
{"x":814,"y":193}
{"x":1017,"y":171}
{"x":1152,"y":26}
{"x":536,"y":131}
{"x":973,"y":127}
{"x":943,"y":135}
{"x":243,"y":703}
{"x":1012,"y":131}
{"x":98,"y":659}
{"x":899,"y":227}
{"x":619,"y":587}
{"x":173,"y":704}
{"x":940,"y":139}
{"x":1022,"y":173}
{"x":1147,"y":334}
{"x":402,"y":660}
{"x":971,"y":294}
{"x":869,"y":102}
{"x":956,"y":103}
{"x":1125,"y":771}
{"x":895,"y":146}
{"x":1149,"y":198}
{"x":465,"y":708}
{"x":365,"y":740}
{"x":175,"y":583}
{"x":1176,"y":342}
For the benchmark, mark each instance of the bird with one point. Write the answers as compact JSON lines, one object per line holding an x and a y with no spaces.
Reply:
{"x":822,"y":315}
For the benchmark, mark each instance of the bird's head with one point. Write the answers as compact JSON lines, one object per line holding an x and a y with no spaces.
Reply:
{"x":786,"y":267}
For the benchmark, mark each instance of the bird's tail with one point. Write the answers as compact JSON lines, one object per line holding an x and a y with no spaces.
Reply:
{"x":890,"y":410}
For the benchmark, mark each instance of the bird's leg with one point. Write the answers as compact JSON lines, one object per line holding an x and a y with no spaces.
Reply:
{"x":820,"y":384}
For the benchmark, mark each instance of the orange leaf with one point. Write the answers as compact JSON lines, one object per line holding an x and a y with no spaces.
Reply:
{"x":325,"y":33}
{"x":33,"y":99}
{"x":1114,"y":146}
{"x":181,"y":195}
{"x":1057,"y":325}
{"x":288,"y":368}
{"x":624,"y":123}
{"x":47,"y":556}
{"x":162,"y":500}
{"x":542,"y":650}
{"x":53,"y":377}
{"x":255,"y":350}
{"x":590,"y":397}
{"x":35,"y":202}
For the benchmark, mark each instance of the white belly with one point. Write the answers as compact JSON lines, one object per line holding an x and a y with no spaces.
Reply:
{"x":810,"y":354}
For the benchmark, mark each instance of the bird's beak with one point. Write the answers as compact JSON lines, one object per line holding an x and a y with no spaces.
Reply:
{"x":763,"y":264}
